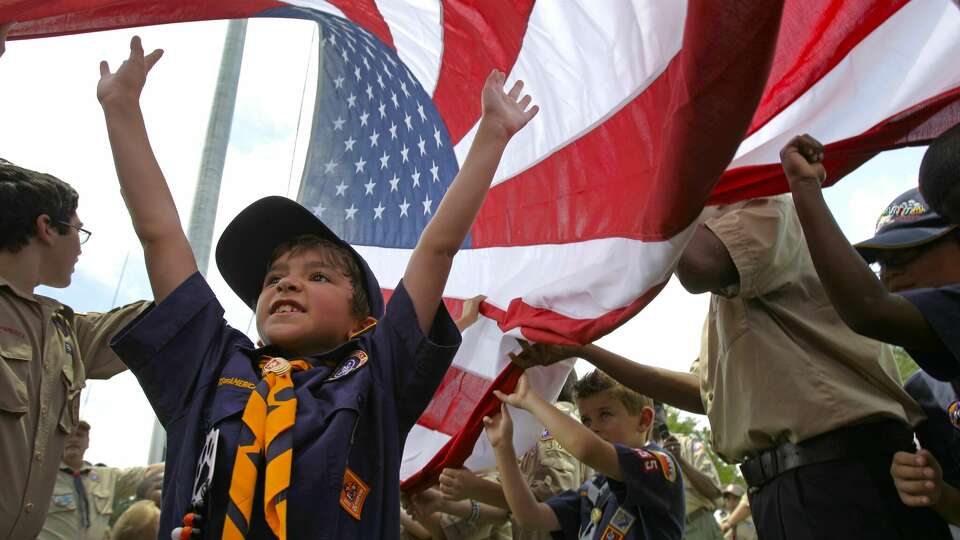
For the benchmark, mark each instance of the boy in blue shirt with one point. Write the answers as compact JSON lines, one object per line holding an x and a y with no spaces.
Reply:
{"x":638,"y":490}
{"x":303,"y":437}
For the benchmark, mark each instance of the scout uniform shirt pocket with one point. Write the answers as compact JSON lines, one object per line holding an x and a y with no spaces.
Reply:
{"x":15,"y":357}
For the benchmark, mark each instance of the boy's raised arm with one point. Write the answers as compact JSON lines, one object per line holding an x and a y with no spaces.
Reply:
{"x":857,"y":295}
{"x":168,"y":255}
{"x":527,"y":511}
{"x":575,"y":437}
{"x":504,"y":114}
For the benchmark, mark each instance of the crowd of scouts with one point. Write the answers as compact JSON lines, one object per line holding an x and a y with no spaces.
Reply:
{"x":796,"y":373}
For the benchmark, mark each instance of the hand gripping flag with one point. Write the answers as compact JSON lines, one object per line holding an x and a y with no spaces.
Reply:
{"x":649,"y":111}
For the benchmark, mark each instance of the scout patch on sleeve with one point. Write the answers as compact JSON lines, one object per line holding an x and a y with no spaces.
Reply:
{"x":353,"y":362}
{"x":353,"y":494}
{"x":546,"y":435}
{"x":666,"y":465}
{"x":953,"y":413}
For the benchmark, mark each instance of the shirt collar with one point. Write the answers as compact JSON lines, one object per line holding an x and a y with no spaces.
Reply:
{"x":26,"y":296}
{"x":87,"y":467}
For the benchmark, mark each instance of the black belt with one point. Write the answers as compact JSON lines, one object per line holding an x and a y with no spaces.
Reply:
{"x":874,"y":438}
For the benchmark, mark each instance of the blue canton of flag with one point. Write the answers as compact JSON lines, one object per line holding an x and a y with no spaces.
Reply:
{"x":380,"y":158}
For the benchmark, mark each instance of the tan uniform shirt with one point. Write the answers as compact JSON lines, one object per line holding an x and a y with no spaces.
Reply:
{"x":550,"y":470}
{"x":457,"y":528}
{"x":101,"y":486}
{"x":46,"y":353}
{"x":695,"y":452}
{"x":777,"y":363}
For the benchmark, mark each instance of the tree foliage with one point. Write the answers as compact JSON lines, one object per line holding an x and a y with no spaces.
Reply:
{"x":687,"y":424}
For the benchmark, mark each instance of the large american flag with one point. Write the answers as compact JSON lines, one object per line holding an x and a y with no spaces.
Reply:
{"x":650,"y":110}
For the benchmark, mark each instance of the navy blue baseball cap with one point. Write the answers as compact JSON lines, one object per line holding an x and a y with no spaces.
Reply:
{"x":248,"y":242}
{"x":907,"y":222}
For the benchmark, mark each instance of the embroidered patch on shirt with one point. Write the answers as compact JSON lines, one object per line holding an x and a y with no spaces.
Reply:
{"x":235,"y":381}
{"x":63,"y":501}
{"x":611,"y":534}
{"x":12,"y":331}
{"x":94,"y":476}
{"x":355,"y":361}
{"x":622,"y":520}
{"x":68,"y":347}
{"x":953,"y":413}
{"x":546,"y":435}
{"x":666,"y":465}
{"x":642,"y":454}
{"x":353,"y":494}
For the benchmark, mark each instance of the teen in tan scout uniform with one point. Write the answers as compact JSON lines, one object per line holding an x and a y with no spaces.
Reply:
{"x":84,"y":495}
{"x":46,"y":350}
{"x":812,"y":410}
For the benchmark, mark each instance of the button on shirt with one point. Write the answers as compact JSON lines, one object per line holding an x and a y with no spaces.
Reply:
{"x":46,"y":353}
{"x":101,"y":486}
{"x":941,"y":308}
{"x":651,"y":492}
{"x":777,"y":363}
{"x":198,"y":373}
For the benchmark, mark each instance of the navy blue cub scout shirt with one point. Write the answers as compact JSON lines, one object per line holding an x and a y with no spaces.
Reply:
{"x":647,"y":505}
{"x":198,"y":372}
{"x":941,"y":308}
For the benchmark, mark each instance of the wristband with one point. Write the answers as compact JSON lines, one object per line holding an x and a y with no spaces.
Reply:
{"x":474,"y":512}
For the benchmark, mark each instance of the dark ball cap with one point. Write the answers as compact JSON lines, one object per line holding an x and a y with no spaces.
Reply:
{"x":907,"y":222}
{"x":246,"y":245}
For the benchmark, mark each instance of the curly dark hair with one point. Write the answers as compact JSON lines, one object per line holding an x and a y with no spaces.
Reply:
{"x":26,"y":195}
{"x":338,"y":257}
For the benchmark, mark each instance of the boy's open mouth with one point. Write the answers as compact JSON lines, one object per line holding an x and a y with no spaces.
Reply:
{"x":286,"y":306}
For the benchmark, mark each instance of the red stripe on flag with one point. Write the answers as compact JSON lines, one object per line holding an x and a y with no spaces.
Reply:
{"x":454,"y":400}
{"x":478,"y":36}
{"x":46,"y":18}
{"x":366,"y":14}
{"x":634,"y":175}
{"x":913,"y":127}
{"x":813,"y":40}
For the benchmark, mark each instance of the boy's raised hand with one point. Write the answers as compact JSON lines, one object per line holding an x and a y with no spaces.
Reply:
{"x":458,"y":484}
{"x":520,"y":396}
{"x":918,"y":477}
{"x":802,"y":160}
{"x":127,"y":82}
{"x":499,"y":428}
{"x":506,"y":112}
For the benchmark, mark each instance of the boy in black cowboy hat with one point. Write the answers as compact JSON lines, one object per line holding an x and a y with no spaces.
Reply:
{"x":313,"y":448}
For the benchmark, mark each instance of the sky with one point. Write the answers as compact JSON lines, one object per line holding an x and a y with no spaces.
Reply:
{"x":53,"y":123}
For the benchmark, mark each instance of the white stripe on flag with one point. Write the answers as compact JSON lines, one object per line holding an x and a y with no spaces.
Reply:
{"x":909,"y":58}
{"x":597,"y":267}
{"x":560,"y":66}
{"x":417,"y":30}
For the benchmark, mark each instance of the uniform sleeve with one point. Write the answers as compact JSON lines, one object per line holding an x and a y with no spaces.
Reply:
{"x":566,"y":506}
{"x":696,"y":453}
{"x":764,"y":240}
{"x":941,"y":308}
{"x":417,"y":362}
{"x":172,"y":344}
{"x":94,"y":332}
{"x":127,"y":482}
{"x":652,"y":479}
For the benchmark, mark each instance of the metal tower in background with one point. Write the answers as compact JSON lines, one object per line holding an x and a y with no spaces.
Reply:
{"x":204,"y":212}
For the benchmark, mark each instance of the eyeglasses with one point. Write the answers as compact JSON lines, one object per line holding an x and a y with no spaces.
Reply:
{"x":81,"y":232}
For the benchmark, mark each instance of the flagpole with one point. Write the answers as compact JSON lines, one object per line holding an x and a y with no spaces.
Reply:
{"x":205,"y":198}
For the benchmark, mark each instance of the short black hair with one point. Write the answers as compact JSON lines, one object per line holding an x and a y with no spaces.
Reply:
{"x":339,"y":257}
{"x":24,"y":196}
{"x":940,"y":168}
